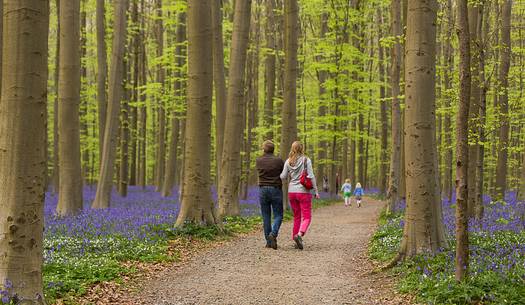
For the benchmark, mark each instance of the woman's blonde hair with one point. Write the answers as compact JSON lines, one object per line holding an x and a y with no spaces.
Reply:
{"x":296,"y":151}
{"x":347,"y":181}
{"x":358,"y":185}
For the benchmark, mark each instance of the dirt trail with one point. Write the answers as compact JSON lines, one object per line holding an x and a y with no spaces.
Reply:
{"x":330,"y":270}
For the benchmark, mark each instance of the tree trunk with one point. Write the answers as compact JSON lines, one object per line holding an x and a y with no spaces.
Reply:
{"x":56,"y":175}
{"x":102,"y":72}
{"x":423,"y":231}
{"x":142,"y":115}
{"x":462,"y":148}
{"x":383,"y":167}
{"x":395,"y":157}
{"x":228,"y":189}
{"x":70,"y":186}
{"x":23,"y":153}
{"x":124,"y":135}
{"x":361,"y":150}
{"x":161,"y":77}
{"x":270,"y":68}
{"x":447,"y":77}
{"x":197,"y":205}
{"x":107,"y":162}
{"x":172,"y":165}
{"x":474,"y":109}
{"x":289,"y":110}
{"x":501,"y":170}
{"x":135,"y":96}
{"x":322,"y":76}
{"x":219,"y":81}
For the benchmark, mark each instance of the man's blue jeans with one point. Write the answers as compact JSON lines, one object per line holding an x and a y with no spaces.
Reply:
{"x":271,"y":200}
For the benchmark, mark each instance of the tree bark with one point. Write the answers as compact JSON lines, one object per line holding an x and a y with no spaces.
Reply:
{"x":135,"y":96}
{"x":142,"y":111}
{"x":234,"y":129}
{"x":172,"y":165}
{"x":219,"y":81}
{"x":124,"y":135}
{"x":270,"y":63}
{"x":462,"y":148}
{"x":474,"y":108}
{"x":447,"y":77}
{"x":161,"y":77}
{"x":322,"y":75}
{"x":289,"y":108}
{"x":102,"y":71}
{"x":395,"y":157}
{"x":197,"y":205}
{"x":423,"y":231}
{"x":70,"y":186}
{"x":23,"y":153}
{"x":383,"y":167}
{"x":501,"y":169}
{"x":56,"y":175}
{"x":107,"y":162}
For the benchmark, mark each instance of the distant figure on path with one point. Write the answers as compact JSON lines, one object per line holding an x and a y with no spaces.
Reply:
{"x":326,"y":186}
{"x":299,"y":196}
{"x":269,"y":168}
{"x":346,"y":189}
{"x":358,"y":193}
{"x":336,"y":183}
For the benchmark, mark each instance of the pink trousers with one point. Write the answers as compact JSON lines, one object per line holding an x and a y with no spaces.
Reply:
{"x":301,"y":204}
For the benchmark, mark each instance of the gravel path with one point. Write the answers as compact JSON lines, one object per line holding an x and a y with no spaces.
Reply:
{"x":330,"y":270}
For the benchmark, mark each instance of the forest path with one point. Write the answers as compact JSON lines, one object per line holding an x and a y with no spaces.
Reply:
{"x":330,"y":270}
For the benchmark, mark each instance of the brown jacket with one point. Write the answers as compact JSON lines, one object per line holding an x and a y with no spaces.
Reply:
{"x":269,"y":168}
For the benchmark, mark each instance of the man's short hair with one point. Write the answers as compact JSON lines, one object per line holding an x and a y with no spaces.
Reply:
{"x":268,"y":147}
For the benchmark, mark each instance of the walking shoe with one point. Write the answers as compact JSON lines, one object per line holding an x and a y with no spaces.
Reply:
{"x":298,"y":242}
{"x":272,"y":241}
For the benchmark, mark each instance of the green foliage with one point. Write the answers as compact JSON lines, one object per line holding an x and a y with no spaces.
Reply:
{"x":431,"y":278}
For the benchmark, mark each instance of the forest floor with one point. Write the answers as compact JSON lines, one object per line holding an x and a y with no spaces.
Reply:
{"x":332,"y":269}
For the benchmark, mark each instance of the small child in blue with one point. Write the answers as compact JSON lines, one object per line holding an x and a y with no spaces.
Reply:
{"x":358,"y":193}
{"x":346,"y":189}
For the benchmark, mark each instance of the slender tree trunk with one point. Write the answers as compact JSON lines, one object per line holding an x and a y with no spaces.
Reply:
{"x":23,"y":153}
{"x":423,"y":231}
{"x":447,"y":77}
{"x":233,"y":131}
{"x":107,"y":162}
{"x":383,"y":167}
{"x":474,"y":109}
{"x":102,"y":72}
{"x":124,"y":135}
{"x":270,"y":68}
{"x":135,"y":96}
{"x":161,"y":77}
{"x":219,"y":80}
{"x":56,"y":175}
{"x":395,"y":157}
{"x":322,"y":76}
{"x":501,"y":170}
{"x":462,"y":149}
{"x":142,"y":115}
{"x":70,"y":187}
{"x":172,"y":165}
{"x":197,"y":205}
{"x":289,"y":110}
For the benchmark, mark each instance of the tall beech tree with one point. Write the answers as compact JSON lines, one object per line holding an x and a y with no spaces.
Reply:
{"x":505,"y":51}
{"x":219,"y":80}
{"x":102,"y":73}
{"x":197,"y":205}
{"x":107,"y":162}
{"x":270,"y":65}
{"x":233,"y":131}
{"x":176,"y":122}
{"x":289,"y":107}
{"x":161,"y":113}
{"x":23,"y":153}
{"x":423,"y":231}
{"x":70,"y":185}
{"x":393,"y":195}
{"x":462,"y":145}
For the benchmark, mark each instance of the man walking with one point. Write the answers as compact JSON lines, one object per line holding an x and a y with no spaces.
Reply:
{"x":269,"y":168}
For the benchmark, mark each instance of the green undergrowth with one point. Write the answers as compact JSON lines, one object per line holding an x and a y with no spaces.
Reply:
{"x":75,"y":267}
{"x":494,"y":278}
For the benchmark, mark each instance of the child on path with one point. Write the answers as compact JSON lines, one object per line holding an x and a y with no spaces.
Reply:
{"x":346,"y":189}
{"x":358,"y":193}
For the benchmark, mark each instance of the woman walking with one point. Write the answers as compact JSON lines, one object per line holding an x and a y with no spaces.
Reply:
{"x":298,"y":168}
